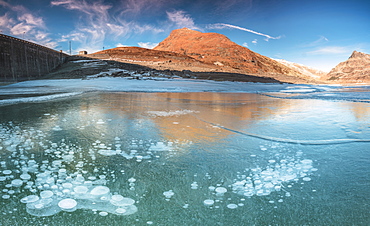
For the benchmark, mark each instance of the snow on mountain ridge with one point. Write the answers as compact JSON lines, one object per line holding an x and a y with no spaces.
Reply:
{"x":306,"y":70}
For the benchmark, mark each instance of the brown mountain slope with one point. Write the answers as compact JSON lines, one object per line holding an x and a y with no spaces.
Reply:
{"x":354,"y":70}
{"x":207,"y":56}
{"x":156,"y":59}
{"x":142,"y":54}
{"x":217,"y":49}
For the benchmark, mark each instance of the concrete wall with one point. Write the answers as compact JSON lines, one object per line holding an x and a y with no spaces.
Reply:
{"x":23,"y":60}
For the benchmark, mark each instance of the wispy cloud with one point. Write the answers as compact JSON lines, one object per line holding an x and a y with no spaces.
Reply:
{"x":223,"y":26}
{"x":245,"y":44}
{"x":181,"y":19}
{"x":148,"y":45}
{"x":320,"y":41}
{"x":330,"y":50}
{"x":98,"y":22}
{"x":135,"y":7}
{"x":20,"y":21}
{"x":255,"y":41}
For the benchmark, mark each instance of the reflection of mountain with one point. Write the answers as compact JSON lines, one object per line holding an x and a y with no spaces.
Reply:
{"x":235,"y":111}
{"x":360,"y":111}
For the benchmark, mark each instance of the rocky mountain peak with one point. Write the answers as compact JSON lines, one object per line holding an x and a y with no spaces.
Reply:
{"x":356,"y":54}
{"x":217,"y":49}
{"x":354,"y":70}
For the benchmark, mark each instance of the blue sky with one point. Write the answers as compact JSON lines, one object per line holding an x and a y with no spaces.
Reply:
{"x":317,"y":33}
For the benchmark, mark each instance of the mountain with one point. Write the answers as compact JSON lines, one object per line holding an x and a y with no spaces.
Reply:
{"x":354,"y":70}
{"x":303,"y":69}
{"x":217,"y":49}
{"x":210,"y":56}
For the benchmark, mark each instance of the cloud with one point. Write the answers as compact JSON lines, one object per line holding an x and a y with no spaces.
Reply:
{"x":321,"y":40}
{"x":134,"y":7}
{"x":255,"y":41}
{"x":148,"y":45}
{"x":223,"y":26}
{"x":99,"y":22}
{"x":31,"y":19}
{"x":181,"y":19}
{"x":20,"y":21}
{"x":245,"y":44}
{"x":6,"y":21}
{"x":330,"y":50}
{"x":21,"y":29}
{"x":120,"y":45}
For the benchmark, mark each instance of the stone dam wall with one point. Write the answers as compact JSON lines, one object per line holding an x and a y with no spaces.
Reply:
{"x":23,"y":60}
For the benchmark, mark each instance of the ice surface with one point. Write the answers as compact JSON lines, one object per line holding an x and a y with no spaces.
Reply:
{"x":72,"y":163}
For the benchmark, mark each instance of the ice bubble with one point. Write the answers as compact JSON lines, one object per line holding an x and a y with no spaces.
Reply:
{"x":120,"y":210}
{"x":67,"y":185}
{"x":306,"y":179}
{"x":46,"y":194}
{"x":100,"y":121}
{"x":2,"y":178}
{"x":107,"y":152}
{"x":7,"y":172}
{"x":68,"y":205}
{"x":30,"y":198}
{"x":6,"y":196}
{"x":132,"y":180}
{"x":80,"y":189}
{"x":194,"y":185}
{"x":208,"y":202}
{"x":100,"y":191}
{"x":211,"y":188}
{"x":232,"y":206}
{"x":25,"y":176}
{"x":57,"y":128}
{"x":17,"y":182}
{"x":117,"y":198}
{"x":103,"y":214}
{"x":221,"y":190}
{"x":168,"y":194}
{"x":306,"y":161}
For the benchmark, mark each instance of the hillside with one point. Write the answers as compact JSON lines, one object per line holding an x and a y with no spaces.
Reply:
{"x":210,"y":56}
{"x":303,"y":69}
{"x":354,"y":70}
{"x":217,"y":49}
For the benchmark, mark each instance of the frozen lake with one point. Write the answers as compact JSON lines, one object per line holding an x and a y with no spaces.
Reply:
{"x":182,"y":152}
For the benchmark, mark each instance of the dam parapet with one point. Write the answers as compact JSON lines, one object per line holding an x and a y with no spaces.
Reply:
{"x":24,"y":60}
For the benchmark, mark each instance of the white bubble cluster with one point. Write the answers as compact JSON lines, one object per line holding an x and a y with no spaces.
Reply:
{"x":262,"y":182}
{"x":51,"y":184}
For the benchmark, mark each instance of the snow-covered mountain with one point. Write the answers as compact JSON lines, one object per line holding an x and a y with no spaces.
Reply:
{"x":303,"y":69}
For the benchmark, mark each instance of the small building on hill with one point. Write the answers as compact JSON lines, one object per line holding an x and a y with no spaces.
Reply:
{"x":82,"y":52}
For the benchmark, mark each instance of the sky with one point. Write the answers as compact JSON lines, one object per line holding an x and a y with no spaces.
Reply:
{"x":316,"y":33}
